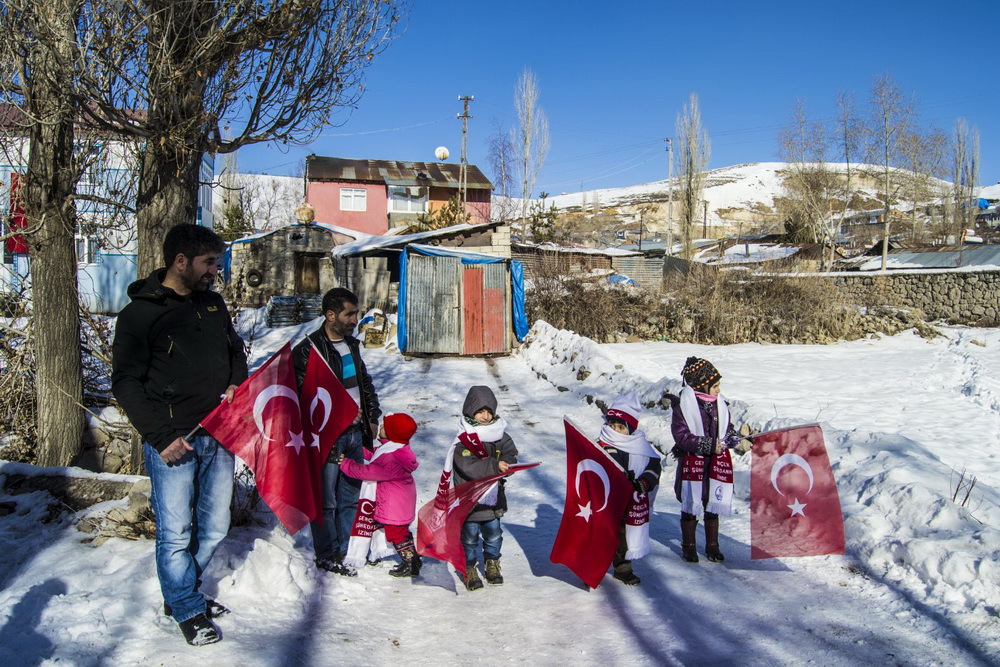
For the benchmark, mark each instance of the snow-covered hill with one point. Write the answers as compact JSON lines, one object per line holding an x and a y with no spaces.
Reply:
{"x":743,"y":192}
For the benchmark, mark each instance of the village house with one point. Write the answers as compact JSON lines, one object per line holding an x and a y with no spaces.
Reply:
{"x":376,"y":196}
{"x":106,"y":241}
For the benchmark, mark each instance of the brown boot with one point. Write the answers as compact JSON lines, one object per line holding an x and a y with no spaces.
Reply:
{"x":689,"y":544}
{"x":712,"y":539}
{"x":472,"y":580}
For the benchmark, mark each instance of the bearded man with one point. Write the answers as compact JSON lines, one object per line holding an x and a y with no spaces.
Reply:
{"x":175,"y":355}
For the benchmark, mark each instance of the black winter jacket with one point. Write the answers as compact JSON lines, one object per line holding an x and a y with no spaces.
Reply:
{"x":172,"y":357}
{"x":369,"y":408}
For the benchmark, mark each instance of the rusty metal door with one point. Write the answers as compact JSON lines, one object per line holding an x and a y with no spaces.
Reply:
{"x":484,"y":308}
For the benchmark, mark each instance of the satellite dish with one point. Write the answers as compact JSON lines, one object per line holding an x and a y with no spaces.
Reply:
{"x":441,"y":153}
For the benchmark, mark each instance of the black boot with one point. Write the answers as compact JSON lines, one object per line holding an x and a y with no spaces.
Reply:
{"x":410,"y":564}
{"x":623,"y":573}
{"x":199,"y":631}
{"x":493,"y":576}
{"x":689,"y":545}
{"x":712,"y":539}
{"x":472,"y":580}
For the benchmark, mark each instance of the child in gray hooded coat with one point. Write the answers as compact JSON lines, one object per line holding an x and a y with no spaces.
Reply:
{"x":484,"y":448}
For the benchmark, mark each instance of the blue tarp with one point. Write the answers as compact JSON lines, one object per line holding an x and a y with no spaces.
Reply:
{"x":519,"y":314}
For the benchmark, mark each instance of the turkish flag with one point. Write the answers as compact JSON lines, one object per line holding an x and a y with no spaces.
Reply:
{"x":594,"y":511}
{"x":794,"y":505}
{"x":439,"y":522}
{"x":327,"y":410}
{"x":263,"y":426}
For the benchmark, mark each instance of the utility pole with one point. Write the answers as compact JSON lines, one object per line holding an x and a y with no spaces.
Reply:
{"x":463,"y":167}
{"x":704,"y":219}
{"x":670,"y":197}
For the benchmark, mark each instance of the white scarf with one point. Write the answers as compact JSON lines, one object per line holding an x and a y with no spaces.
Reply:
{"x":480,"y":433}
{"x":638,"y":512}
{"x":366,"y":541}
{"x":720,"y":492}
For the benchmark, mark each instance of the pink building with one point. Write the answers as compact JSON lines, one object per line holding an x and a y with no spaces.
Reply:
{"x":374,"y":196}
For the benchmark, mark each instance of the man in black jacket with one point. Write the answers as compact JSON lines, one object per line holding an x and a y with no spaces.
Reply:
{"x":175,"y":354}
{"x":335,"y":342}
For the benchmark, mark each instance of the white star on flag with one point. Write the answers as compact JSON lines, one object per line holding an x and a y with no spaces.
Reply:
{"x":295,"y":441}
{"x":797,"y":508}
{"x":585,"y":512}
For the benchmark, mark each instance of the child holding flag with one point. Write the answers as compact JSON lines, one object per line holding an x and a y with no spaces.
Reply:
{"x":632,"y":451}
{"x":703,"y":436}
{"x":483,"y":448}
{"x":388,"y":481}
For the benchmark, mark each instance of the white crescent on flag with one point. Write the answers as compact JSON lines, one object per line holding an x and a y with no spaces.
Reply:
{"x":790,"y":460}
{"x":590,"y":465}
{"x":264,"y":397}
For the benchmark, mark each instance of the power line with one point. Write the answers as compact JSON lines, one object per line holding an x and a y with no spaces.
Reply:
{"x":389,"y":129}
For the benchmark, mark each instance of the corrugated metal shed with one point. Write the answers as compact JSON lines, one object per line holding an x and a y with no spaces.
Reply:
{"x":936,"y":258}
{"x":647,"y":271}
{"x":394,"y":172}
{"x":433,"y":310}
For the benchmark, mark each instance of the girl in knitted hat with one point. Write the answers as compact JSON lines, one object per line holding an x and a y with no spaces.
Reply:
{"x":629,"y":447}
{"x":388,"y":499}
{"x":703,"y":436}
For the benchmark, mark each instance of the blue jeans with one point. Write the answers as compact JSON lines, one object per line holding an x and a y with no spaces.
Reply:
{"x":340,"y":501}
{"x":491,"y":533}
{"x":190,"y":499}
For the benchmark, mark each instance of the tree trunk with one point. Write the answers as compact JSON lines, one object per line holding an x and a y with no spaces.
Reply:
{"x":168,"y":196}
{"x":51,"y":212}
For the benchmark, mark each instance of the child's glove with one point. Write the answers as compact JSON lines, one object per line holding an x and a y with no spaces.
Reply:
{"x":641,"y":485}
{"x":732,"y":441}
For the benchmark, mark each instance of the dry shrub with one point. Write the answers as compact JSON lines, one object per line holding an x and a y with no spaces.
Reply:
{"x":18,"y":407}
{"x":709,"y":306}
{"x":726,"y":307}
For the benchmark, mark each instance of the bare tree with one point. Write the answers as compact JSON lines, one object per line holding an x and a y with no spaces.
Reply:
{"x":502,"y":161}
{"x":809,"y":183}
{"x":262,"y":71}
{"x":531,"y":136}
{"x":847,"y":135}
{"x":693,"y":150}
{"x":36,"y":42}
{"x":965,"y":175}
{"x":892,"y":117}
{"x":923,"y":155}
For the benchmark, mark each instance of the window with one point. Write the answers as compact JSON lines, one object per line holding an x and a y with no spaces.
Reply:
{"x":87,"y":248}
{"x":407,"y":199}
{"x":353,"y":199}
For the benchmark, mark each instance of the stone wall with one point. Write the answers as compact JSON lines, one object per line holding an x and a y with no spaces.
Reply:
{"x":960,"y":296}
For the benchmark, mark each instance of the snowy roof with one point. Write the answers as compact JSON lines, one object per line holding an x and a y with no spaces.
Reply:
{"x":370,"y":243}
{"x":353,"y":233}
{"x":980,"y":256}
{"x":551,"y":247}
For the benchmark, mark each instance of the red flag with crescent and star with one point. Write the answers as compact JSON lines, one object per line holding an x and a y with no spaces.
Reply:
{"x":597,"y":493}
{"x":439,"y":522}
{"x":327,"y":410}
{"x":263,"y":426}
{"x":794,"y":504}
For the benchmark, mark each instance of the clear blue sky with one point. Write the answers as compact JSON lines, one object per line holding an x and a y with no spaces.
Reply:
{"x":614,"y":76}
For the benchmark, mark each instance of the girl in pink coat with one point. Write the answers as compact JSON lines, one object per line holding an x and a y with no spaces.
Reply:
{"x":390,"y":471}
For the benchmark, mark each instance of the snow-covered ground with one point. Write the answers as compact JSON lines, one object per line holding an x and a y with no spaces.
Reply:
{"x":919,"y":583}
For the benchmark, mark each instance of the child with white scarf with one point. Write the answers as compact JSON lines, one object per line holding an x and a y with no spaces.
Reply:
{"x":632,"y":451}
{"x":703,"y":435}
{"x":483,"y":448}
